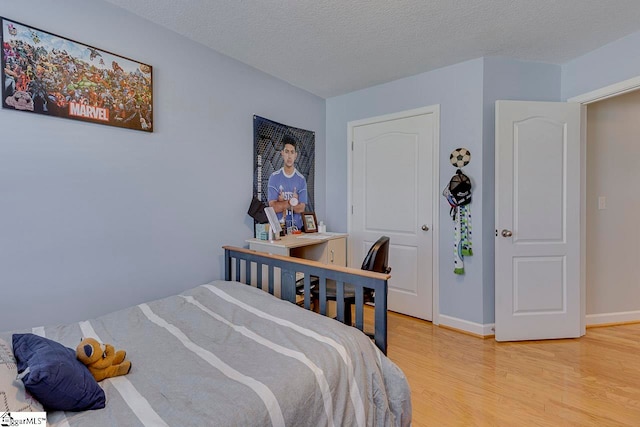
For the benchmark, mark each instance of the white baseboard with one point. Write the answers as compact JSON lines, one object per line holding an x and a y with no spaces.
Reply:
{"x":613,"y":318}
{"x":489,"y":328}
{"x":467,"y":326}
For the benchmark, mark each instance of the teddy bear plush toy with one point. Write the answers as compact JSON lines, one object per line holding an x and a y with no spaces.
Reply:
{"x":102,"y":360}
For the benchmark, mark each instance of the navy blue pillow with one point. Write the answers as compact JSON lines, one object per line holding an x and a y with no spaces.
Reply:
{"x":56,"y":377}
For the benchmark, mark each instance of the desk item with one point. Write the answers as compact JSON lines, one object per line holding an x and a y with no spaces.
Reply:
{"x":309,"y":222}
{"x":262,"y":231}
{"x":290,"y":221}
{"x":322,"y":228}
{"x":314,"y":236}
{"x":292,"y":228}
{"x":273,"y":223}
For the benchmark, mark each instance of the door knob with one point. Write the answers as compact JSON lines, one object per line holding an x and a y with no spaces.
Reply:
{"x":424,"y":227}
{"x":506,"y":233}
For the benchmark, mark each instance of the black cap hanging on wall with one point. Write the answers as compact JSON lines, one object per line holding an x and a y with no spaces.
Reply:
{"x":256,"y":211}
{"x":460,"y":189}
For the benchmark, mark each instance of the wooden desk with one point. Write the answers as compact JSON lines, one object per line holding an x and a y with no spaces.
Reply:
{"x":327,"y":248}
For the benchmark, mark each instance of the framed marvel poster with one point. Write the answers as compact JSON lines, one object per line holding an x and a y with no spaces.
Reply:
{"x":43,"y":73}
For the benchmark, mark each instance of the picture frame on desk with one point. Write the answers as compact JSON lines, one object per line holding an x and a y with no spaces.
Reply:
{"x":309,"y":222}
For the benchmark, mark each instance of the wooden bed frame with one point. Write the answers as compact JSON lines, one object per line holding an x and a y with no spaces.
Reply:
{"x":246,"y":266}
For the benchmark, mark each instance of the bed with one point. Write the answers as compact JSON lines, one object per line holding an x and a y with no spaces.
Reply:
{"x":228,"y":354}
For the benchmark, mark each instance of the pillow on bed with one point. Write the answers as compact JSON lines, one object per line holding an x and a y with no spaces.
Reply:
{"x":51,"y":373}
{"x":13,"y":396}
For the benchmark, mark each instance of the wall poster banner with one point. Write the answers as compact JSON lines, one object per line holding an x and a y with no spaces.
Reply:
{"x":43,"y":73}
{"x":284,"y":165}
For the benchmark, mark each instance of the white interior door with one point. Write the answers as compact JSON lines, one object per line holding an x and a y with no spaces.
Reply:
{"x":537,"y":247}
{"x":394,"y":160}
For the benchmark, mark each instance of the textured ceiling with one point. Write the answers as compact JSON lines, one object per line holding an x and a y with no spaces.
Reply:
{"x":332,"y":47}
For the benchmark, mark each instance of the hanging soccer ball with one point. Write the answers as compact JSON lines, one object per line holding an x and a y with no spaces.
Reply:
{"x":460,"y":157}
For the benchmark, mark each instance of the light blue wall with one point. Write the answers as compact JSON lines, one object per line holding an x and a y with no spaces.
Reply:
{"x":610,"y":64}
{"x":95,"y":218}
{"x":467,"y":93}
{"x":505,"y":79}
{"x":458,"y":91}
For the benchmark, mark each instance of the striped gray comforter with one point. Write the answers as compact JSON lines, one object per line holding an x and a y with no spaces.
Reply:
{"x":227,"y":354}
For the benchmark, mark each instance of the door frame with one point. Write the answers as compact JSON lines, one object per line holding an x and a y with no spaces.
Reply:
{"x":435,"y":179}
{"x":585,"y":99}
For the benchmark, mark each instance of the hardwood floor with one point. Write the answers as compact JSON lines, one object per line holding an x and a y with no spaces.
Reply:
{"x":461,"y":380}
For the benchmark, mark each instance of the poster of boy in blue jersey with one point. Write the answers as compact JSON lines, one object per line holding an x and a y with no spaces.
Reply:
{"x":287,"y":187}
{"x":284,"y":166}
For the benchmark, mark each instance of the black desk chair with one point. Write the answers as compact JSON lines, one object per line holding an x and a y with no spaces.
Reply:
{"x":377,"y":260}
